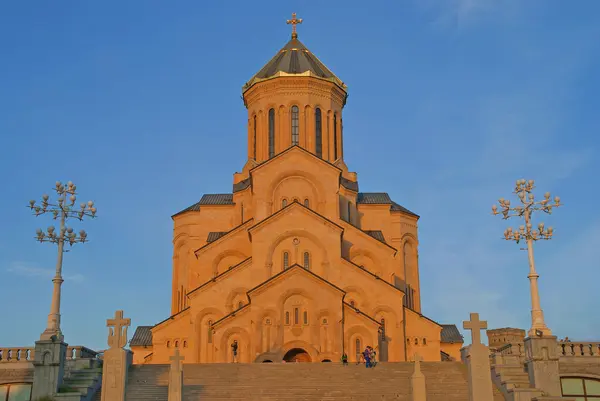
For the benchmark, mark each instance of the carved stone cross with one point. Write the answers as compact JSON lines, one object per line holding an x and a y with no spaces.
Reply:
{"x":475,"y":325}
{"x":175,"y":359}
{"x":117,"y":330}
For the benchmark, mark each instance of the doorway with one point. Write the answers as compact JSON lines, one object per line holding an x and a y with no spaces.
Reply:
{"x":297,"y":355}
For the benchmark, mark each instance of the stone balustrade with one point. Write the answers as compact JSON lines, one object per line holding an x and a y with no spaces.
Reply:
{"x":579,"y":348}
{"x":27,"y":354}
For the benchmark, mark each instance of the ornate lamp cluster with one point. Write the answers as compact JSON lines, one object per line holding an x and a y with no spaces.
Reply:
{"x":64,"y":208}
{"x":524,"y":189}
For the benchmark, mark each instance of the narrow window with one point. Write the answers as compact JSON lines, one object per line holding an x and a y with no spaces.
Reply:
{"x":306,"y":202}
{"x":287,"y":317}
{"x":353,"y":304}
{"x":424,"y":341}
{"x":335,"y":145}
{"x":286,"y":260}
{"x":242,"y":209}
{"x":382,"y":328}
{"x":176,"y":344}
{"x":240,"y":304}
{"x":296,"y":315}
{"x":295,"y":126}
{"x":416,"y":341}
{"x":318,"y":133}
{"x":254,"y":141}
{"x":306,"y":260}
{"x":271,"y":132}
{"x":349,"y":210}
{"x":185,"y":344}
{"x":283,"y":203}
{"x":168,"y":344}
{"x":305,"y":317}
{"x":357,"y":345}
{"x":210,"y":331}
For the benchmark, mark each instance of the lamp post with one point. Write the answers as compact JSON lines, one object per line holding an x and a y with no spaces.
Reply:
{"x":523,"y":190}
{"x":63,"y":210}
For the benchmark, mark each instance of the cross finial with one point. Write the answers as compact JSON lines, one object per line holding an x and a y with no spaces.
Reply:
{"x":475,"y":325}
{"x":117,"y":330}
{"x":294,"y":21}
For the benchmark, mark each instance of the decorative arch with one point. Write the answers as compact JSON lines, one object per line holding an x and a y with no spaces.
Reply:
{"x":318,"y":190}
{"x":358,"y":295}
{"x":228,"y":336}
{"x":310,"y":350}
{"x":376,"y":267}
{"x":203,"y":347}
{"x":234,"y":295}
{"x":230,"y":252}
{"x":296,"y":233}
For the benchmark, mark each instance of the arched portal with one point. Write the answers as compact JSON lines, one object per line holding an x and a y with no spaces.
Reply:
{"x":297,"y":355}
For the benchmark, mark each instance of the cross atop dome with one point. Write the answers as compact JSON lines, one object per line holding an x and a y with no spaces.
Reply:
{"x":294,"y":21}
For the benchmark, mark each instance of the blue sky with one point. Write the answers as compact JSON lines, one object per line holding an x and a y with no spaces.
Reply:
{"x":450,"y":102}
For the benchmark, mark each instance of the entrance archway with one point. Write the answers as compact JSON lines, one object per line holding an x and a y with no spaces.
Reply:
{"x":297,"y":355}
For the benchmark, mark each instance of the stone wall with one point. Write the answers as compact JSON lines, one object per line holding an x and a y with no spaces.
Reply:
{"x":579,"y":366}
{"x":16,"y":375}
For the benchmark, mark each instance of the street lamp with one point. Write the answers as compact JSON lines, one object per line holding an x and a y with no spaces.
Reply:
{"x":523,"y":190}
{"x":63,"y":209}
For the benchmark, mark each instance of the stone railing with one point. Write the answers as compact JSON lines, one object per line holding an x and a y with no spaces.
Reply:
{"x":579,"y":348}
{"x":27,"y":354}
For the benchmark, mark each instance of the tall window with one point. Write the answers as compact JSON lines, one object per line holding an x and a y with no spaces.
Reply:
{"x":296,"y":316}
{"x":286,"y":260}
{"x":295,"y":126}
{"x":581,"y":388}
{"x":382,"y":329}
{"x":318,"y":133}
{"x":287,"y":317}
{"x":271,"y":132}
{"x":306,"y":202}
{"x":284,"y":203}
{"x":210,"y":331}
{"x":254,"y":141}
{"x":305,"y":317}
{"x":335,"y":145}
{"x":357,"y":345}
{"x":306,"y":260}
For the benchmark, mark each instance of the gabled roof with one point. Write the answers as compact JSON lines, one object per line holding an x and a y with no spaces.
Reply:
{"x":294,"y":147}
{"x":240,"y":186}
{"x":294,"y":59}
{"x":381,"y":198}
{"x":208,"y":200}
{"x":142,"y":337}
{"x":450,"y":334}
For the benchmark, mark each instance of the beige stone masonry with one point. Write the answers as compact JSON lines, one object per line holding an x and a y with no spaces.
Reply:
{"x":116,"y":359}
{"x":176,"y":377}
{"x":477,"y":358}
{"x":417,"y":380}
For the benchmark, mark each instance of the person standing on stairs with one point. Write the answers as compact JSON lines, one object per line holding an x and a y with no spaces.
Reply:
{"x":234,"y":349}
{"x":367,"y":356}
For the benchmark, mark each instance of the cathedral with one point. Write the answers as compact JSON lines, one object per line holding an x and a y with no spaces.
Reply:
{"x":295,"y":264}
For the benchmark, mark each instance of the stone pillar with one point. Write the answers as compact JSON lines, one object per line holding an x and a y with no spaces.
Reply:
{"x":541,"y":358}
{"x":49,"y":367}
{"x":116,"y":359}
{"x":477,"y":358}
{"x":417,"y":381}
{"x":176,"y":377}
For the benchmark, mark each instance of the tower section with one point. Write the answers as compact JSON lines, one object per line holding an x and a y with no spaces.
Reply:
{"x":295,"y":100}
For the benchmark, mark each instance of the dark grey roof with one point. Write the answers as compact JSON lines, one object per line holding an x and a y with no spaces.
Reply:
{"x":242,"y":184}
{"x":381,"y":198}
{"x":351,"y":185}
{"x":377,"y":234}
{"x":294,"y":58}
{"x":141,"y":337}
{"x":194,"y":208}
{"x":215,"y":235}
{"x":450,"y":334}
{"x":216,"y":199}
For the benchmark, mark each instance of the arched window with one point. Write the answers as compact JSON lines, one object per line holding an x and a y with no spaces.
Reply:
{"x":306,"y":260}
{"x":306,"y":202}
{"x":176,"y":344}
{"x":382,"y":328}
{"x":296,"y":316}
{"x":358,"y":347}
{"x":168,"y":344}
{"x":240,"y":304}
{"x":335,"y":137}
{"x":287,"y":317}
{"x":318,"y":133}
{"x":352,"y":304}
{"x":295,"y":126}
{"x":305,"y":316}
{"x":580,"y":388}
{"x":283,"y":203}
{"x":416,"y":341}
{"x":210,"y":330}
{"x":286,"y":260}
{"x":424,"y":341}
{"x":271,"y":132}
{"x":185,"y":344}
{"x":254,"y":141}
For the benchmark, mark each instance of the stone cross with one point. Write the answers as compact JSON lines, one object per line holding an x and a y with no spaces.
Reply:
{"x":419,"y":390}
{"x":117,"y":330}
{"x":475,"y":325}
{"x":418,"y":359}
{"x":176,"y":377}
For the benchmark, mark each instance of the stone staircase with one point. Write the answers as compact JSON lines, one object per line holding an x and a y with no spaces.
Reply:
{"x":510,"y":376}
{"x":82,"y":381}
{"x":445,"y":381}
